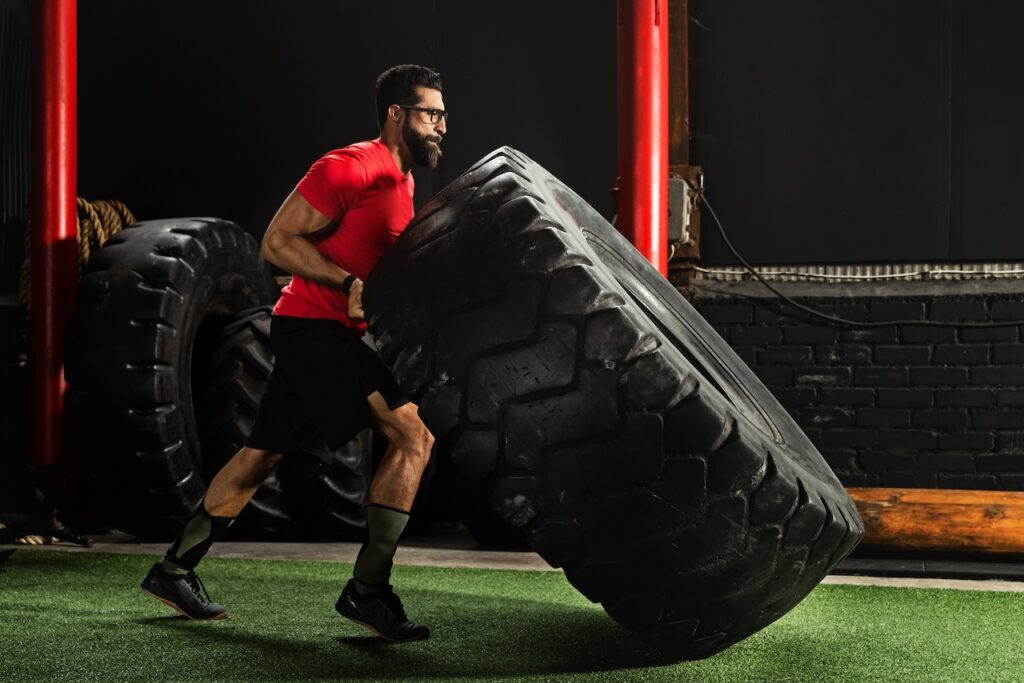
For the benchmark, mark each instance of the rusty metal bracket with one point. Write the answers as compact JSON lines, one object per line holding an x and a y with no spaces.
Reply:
{"x":684,"y":223}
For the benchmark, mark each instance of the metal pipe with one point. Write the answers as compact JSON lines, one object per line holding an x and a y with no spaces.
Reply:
{"x":54,"y":228}
{"x":643,"y":127}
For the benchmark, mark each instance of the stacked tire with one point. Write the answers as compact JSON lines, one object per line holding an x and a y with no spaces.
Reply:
{"x":581,"y":397}
{"x":166,"y":365}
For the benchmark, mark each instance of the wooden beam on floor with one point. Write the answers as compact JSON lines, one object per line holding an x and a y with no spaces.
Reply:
{"x":942,"y":519}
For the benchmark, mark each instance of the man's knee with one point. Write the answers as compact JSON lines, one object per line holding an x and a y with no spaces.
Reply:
{"x":402,"y":427}
{"x":415,"y":438}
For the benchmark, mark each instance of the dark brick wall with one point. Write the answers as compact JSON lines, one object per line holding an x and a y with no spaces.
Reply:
{"x":898,"y":405}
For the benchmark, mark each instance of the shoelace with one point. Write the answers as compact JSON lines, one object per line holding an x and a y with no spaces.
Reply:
{"x":196,"y":585}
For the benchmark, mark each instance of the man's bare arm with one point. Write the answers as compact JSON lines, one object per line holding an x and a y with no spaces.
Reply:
{"x":287,"y":246}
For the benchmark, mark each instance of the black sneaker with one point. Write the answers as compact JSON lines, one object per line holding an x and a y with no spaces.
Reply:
{"x":382,"y":613}
{"x":183,"y":592}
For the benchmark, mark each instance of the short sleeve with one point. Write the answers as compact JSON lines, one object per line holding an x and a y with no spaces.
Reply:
{"x":333,"y":183}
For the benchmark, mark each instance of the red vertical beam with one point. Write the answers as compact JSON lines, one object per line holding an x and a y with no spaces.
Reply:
{"x":54,"y":251}
{"x":643,"y":127}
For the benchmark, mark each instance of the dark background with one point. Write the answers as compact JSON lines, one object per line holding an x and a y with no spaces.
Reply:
{"x":220,"y":107}
{"x":874,"y":131}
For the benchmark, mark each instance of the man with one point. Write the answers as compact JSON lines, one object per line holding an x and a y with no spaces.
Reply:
{"x":327,"y":385}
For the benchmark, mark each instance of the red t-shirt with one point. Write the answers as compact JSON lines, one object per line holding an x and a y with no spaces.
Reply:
{"x":361,"y":189}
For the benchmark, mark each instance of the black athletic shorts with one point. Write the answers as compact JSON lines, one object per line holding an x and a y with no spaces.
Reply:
{"x":315,"y":399}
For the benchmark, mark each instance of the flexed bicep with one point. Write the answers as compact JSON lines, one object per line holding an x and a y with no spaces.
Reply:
{"x":286,"y":243}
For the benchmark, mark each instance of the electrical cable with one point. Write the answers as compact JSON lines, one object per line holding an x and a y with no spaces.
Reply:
{"x":832,"y":319}
{"x":874,"y":277}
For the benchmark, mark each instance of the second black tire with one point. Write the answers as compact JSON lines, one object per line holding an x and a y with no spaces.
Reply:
{"x":148,"y":314}
{"x":309,"y":496}
{"x":576,"y":389}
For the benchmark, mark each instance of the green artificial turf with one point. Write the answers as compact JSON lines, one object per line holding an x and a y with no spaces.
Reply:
{"x":80,"y":617}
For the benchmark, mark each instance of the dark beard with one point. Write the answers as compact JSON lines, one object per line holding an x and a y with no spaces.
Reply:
{"x":423,"y":153}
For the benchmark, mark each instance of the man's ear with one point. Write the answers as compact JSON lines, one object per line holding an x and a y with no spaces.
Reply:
{"x":395,"y":112}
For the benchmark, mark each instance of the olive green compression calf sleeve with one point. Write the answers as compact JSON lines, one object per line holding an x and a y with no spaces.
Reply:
{"x":194,"y":542}
{"x":384,"y":526}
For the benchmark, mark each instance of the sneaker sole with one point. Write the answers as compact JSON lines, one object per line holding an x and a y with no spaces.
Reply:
{"x":222,"y":615}
{"x":371,"y":628}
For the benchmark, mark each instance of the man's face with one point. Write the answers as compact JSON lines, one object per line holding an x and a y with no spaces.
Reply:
{"x":422,"y":137}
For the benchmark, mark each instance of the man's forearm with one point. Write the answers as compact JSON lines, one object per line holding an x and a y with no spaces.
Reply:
{"x":297,"y":255}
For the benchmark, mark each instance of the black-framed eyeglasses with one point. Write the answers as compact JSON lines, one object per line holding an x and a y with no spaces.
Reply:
{"x":435,"y":114}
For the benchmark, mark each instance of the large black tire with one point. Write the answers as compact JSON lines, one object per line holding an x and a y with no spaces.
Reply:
{"x":470,"y":504}
{"x":597,"y":409}
{"x":149,"y":313}
{"x":306,"y":497}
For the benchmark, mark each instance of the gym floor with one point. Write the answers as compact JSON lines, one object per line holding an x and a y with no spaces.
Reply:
{"x":495,"y":616}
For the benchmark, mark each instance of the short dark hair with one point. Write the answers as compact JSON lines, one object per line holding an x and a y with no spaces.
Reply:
{"x":398,"y":85}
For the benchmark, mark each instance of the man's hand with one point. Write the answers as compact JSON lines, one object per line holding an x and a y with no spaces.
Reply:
{"x":355,"y":301}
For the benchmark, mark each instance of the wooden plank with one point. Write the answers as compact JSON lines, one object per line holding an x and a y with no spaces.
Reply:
{"x":941,"y":519}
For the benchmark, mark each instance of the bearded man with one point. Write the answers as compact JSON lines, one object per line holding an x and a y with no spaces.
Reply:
{"x":327,"y":385}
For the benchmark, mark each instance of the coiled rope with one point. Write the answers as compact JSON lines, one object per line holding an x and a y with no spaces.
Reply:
{"x":97,"y":222}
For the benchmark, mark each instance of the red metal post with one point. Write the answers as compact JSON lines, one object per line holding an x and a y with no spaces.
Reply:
{"x":643,"y":127}
{"x":54,"y":228}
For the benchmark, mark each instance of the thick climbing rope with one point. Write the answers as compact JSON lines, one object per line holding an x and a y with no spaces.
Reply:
{"x":97,"y":222}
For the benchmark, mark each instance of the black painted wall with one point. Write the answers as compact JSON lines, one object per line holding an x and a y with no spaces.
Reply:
{"x":873,"y":131}
{"x":15,"y":133}
{"x":15,"y":493}
{"x":219,"y":107}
